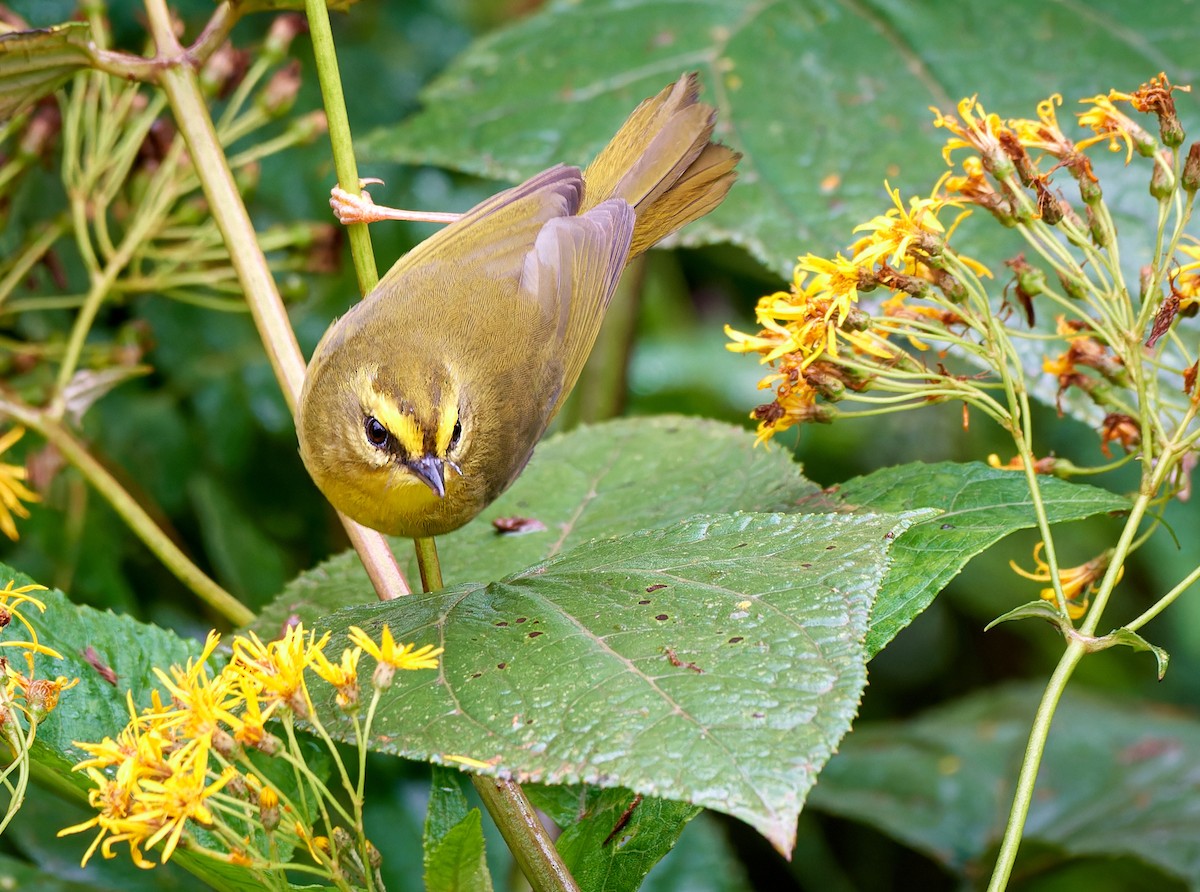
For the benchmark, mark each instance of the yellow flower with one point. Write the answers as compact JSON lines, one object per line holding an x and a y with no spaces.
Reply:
{"x":201,"y":701}
{"x":249,"y":725}
{"x":897,"y":231}
{"x":389,"y":657}
{"x":1115,"y":127}
{"x":277,"y":668}
{"x":167,"y":805}
{"x":11,"y":600}
{"x":12,"y":490}
{"x":976,"y":130}
{"x":342,"y":676}
{"x":1044,"y":134}
{"x":114,"y":798}
{"x":1078,"y":583}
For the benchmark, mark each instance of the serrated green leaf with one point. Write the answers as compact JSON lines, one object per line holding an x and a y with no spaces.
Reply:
{"x":1117,"y":778}
{"x":602,"y":480}
{"x":447,"y":805}
{"x":35,"y":63}
{"x":819,"y":129}
{"x":454,"y":846}
{"x":717,"y":661}
{"x":457,"y":862}
{"x":704,"y":860}
{"x":980,"y":505}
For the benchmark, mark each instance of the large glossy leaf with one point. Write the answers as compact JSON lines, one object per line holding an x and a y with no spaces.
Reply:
{"x":825,"y":99}
{"x":1118,"y":778}
{"x":980,"y":506}
{"x":605,"y":480}
{"x":717,"y":661}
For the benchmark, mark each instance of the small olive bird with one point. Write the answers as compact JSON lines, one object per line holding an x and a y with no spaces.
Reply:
{"x":425,"y":401}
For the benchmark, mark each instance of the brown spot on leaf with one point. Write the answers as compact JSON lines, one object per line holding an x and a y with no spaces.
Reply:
{"x":514,"y":526}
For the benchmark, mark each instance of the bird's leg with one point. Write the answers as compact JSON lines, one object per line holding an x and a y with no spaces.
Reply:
{"x":350,"y":208}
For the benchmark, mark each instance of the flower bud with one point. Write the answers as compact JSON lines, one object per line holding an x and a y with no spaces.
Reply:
{"x":283,"y":31}
{"x":223,"y":71}
{"x":1191,"y":169}
{"x":279,"y":95}
{"x":268,"y":809}
{"x":1162,"y":179}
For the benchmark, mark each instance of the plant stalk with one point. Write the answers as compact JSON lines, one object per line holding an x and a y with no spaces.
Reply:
{"x":177,"y":77}
{"x":1027,"y":779}
{"x":506,"y":802}
{"x":132,"y":513}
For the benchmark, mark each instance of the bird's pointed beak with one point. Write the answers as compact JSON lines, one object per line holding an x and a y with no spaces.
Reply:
{"x":431,"y":471}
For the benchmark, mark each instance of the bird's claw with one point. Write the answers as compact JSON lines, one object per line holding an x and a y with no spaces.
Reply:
{"x":350,"y":208}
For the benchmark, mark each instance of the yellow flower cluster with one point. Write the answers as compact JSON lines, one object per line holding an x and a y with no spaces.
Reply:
{"x":825,"y":344}
{"x":818,"y":339}
{"x":184,"y":761}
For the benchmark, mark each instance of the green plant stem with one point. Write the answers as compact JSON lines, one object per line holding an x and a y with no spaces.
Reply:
{"x":428,"y":563}
{"x":341,"y":142}
{"x":1077,"y":645}
{"x":33,"y":252}
{"x":132,"y":513}
{"x":506,"y":802}
{"x":177,"y":77}
{"x":1034,"y":748}
{"x":1165,"y":601}
{"x":526,"y":837}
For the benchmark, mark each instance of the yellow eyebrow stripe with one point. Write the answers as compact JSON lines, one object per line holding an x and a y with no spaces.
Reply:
{"x":402,"y":425}
{"x":447,"y":418}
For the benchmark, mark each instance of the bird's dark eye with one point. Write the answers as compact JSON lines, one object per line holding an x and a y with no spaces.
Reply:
{"x":377,"y":435}
{"x":456,"y":434}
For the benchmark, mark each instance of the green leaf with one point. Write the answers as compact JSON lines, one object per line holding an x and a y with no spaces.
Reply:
{"x":717,"y":661}
{"x":457,"y":862}
{"x":1117,"y":779}
{"x":1129,"y":638}
{"x":703,"y":861}
{"x":818,"y":129}
{"x":109,"y":654}
{"x":454,"y":845}
{"x":602,"y":480}
{"x":611,"y":838}
{"x":1031,"y":610}
{"x":35,"y":63}
{"x":980,"y":505}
